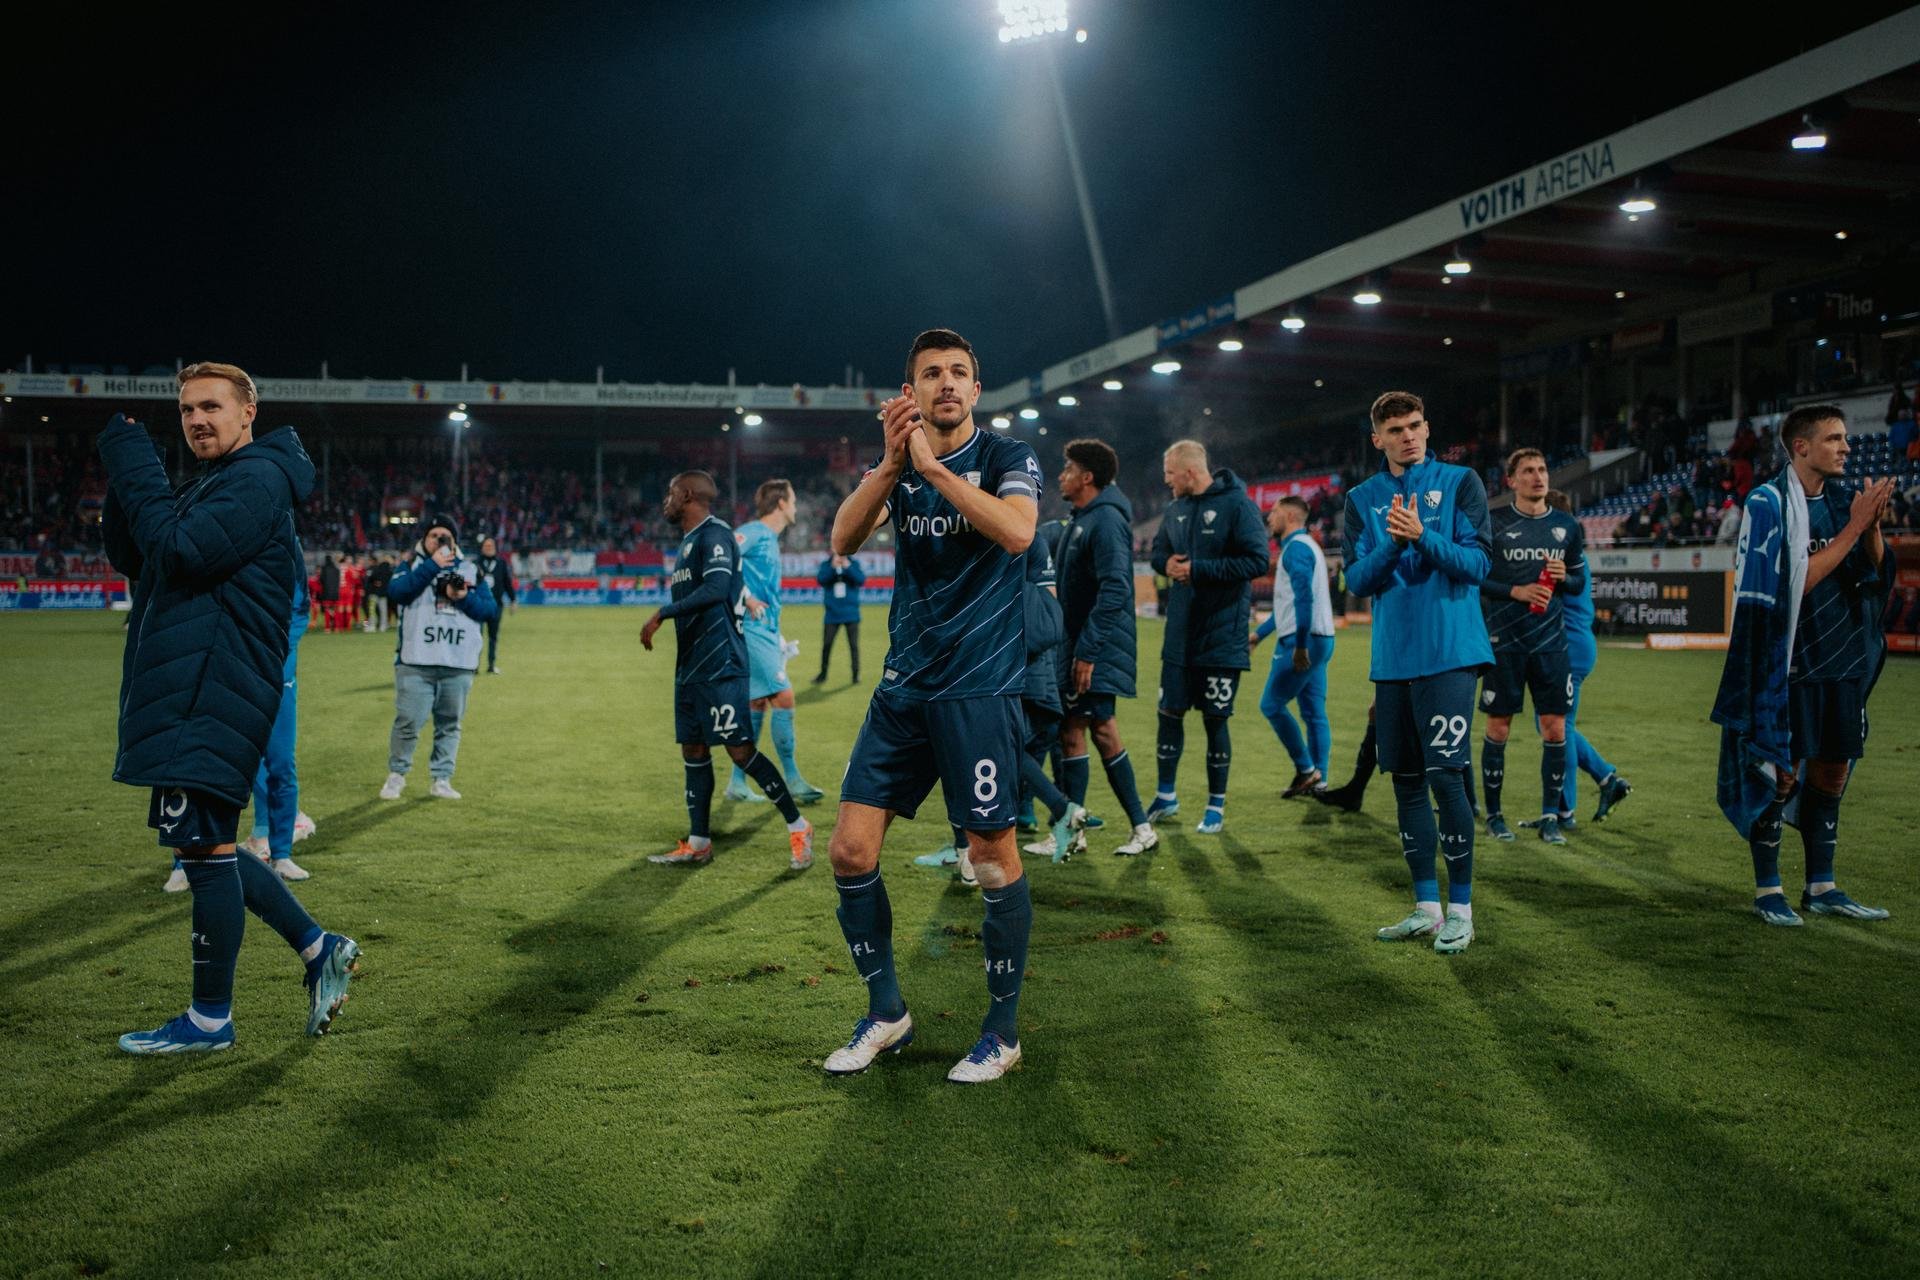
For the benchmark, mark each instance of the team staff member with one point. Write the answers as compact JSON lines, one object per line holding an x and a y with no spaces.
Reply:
{"x":444,"y":604}
{"x":1211,"y":546}
{"x":841,"y":578}
{"x":1418,"y":542}
{"x":214,"y":568}
{"x":498,"y":573}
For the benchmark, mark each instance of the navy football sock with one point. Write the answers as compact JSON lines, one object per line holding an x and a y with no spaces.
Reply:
{"x":1763,"y":840}
{"x":1074,"y":773}
{"x":739,"y":780}
{"x":1553,"y":775}
{"x":1219,"y":756}
{"x":1418,"y":835}
{"x":1819,"y":820}
{"x":1456,"y":833}
{"x":1036,"y":780}
{"x":219,"y":922}
{"x":762,"y":771}
{"x":1120,"y":778}
{"x":1368,"y":760}
{"x":699,"y":797}
{"x":1173,"y":741}
{"x":268,"y":897}
{"x":1493,"y":772}
{"x":1003,"y":936}
{"x":866,"y":919}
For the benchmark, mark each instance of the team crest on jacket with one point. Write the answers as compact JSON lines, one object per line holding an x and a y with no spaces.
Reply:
{"x":1208,"y":515}
{"x":1559,"y":535}
{"x":973,"y":478}
{"x":1433,"y":497}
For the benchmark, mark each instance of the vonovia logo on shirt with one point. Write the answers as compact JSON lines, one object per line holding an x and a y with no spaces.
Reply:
{"x":1433,"y":497}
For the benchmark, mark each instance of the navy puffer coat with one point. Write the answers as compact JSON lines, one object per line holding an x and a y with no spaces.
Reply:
{"x":214,"y":569}
{"x":1221,"y":533}
{"x":1096,"y":591}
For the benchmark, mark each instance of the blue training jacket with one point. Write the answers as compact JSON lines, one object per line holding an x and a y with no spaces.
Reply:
{"x":1426,"y":597}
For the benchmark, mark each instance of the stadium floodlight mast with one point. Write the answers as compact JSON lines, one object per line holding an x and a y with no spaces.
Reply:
{"x":1042,"y":23}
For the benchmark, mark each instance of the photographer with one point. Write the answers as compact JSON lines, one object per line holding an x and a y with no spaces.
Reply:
{"x":444,"y":605}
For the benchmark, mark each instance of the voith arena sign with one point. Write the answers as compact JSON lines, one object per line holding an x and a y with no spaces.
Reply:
{"x":1559,"y":177}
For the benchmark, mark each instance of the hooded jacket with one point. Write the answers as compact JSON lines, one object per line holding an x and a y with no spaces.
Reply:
{"x":1221,"y":533}
{"x":1096,"y":591}
{"x":215,"y":569}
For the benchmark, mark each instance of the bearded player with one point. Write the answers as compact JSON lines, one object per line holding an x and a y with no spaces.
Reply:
{"x":963,"y":503}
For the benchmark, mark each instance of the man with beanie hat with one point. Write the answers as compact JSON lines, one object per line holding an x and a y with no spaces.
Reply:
{"x":444,"y":605}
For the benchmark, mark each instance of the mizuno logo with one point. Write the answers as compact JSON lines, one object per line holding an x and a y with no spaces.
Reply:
{"x":1383,"y":510}
{"x":1513,"y":533}
{"x":910,"y":488}
{"x":986,"y":811}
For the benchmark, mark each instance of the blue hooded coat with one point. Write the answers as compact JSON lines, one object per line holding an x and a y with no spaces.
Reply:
{"x":1221,"y":533}
{"x":215,"y":567}
{"x":1096,"y":591}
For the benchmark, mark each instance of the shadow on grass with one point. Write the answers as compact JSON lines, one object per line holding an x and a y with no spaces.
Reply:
{"x":398,"y":1120}
{"x":101,"y":907}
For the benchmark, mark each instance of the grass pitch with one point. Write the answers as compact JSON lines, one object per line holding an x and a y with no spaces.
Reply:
{"x":563,"y":1061}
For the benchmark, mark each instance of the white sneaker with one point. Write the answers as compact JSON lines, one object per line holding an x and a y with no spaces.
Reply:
{"x":871,"y":1038}
{"x":288,"y":869}
{"x":988,"y":1060}
{"x":302,"y":827}
{"x":1144,"y":838}
{"x":442,"y":789}
{"x":177,"y":882}
{"x":257,"y":846}
{"x":1041,"y":848}
{"x":965,"y":874}
{"x":391,"y":789}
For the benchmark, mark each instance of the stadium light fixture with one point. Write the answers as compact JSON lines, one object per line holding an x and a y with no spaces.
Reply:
{"x":1810,"y":138}
{"x":1367,"y":297}
{"x":1033,"y":20}
{"x":1067,"y":402}
{"x":1113,"y":384}
{"x":1619,"y":295}
{"x":1446,"y":342}
{"x":726,"y":426}
{"x":1319,"y":382}
{"x":457,"y":415}
{"x":1166,"y":366}
{"x":1292,"y":322}
{"x":1839,"y":235}
{"x":1043,"y":431}
{"x":1028,"y":415}
{"x":753,"y":419}
{"x":1080,"y":36}
{"x":1637,"y":202}
{"x":1001,"y":422}
{"x":1231,"y":344}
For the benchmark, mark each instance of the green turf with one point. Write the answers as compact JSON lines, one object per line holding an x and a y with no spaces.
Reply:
{"x":560,"y":1057}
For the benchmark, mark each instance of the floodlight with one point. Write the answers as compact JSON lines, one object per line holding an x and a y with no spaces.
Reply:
{"x":1319,"y":382}
{"x":1167,"y":366}
{"x":1839,"y":235}
{"x":1811,"y":138}
{"x":1292,"y":322}
{"x":1458,"y":267}
{"x":1230,"y":344}
{"x":753,"y":419}
{"x":1067,"y":402}
{"x":1113,"y":384}
{"x":458,"y":415}
{"x":1367,"y":298}
{"x":1029,"y":415}
{"x":1001,"y":422}
{"x":1032,"y":19}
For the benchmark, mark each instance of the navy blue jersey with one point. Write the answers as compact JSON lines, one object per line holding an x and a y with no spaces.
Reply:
{"x":1833,"y":640}
{"x":956,"y":628}
{"x":1522,"y":544}
{"x":705,"y":605}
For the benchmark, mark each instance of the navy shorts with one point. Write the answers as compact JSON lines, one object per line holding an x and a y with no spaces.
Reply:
{"x":1211,"y":689}
{"x":192,"y":819}
{"x":1422,"y":724}
{"x":1091,"y":705}
{"x":1548,"y":675}
{"x":970,"y":746}
{"x":1829,"y":719}
{"x":713,"y":712}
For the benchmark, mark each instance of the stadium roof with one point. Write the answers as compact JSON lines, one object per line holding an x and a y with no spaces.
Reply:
{"x":1738,"y":214}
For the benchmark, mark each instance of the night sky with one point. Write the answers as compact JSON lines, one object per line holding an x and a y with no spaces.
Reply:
{"x":670,"y":190}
